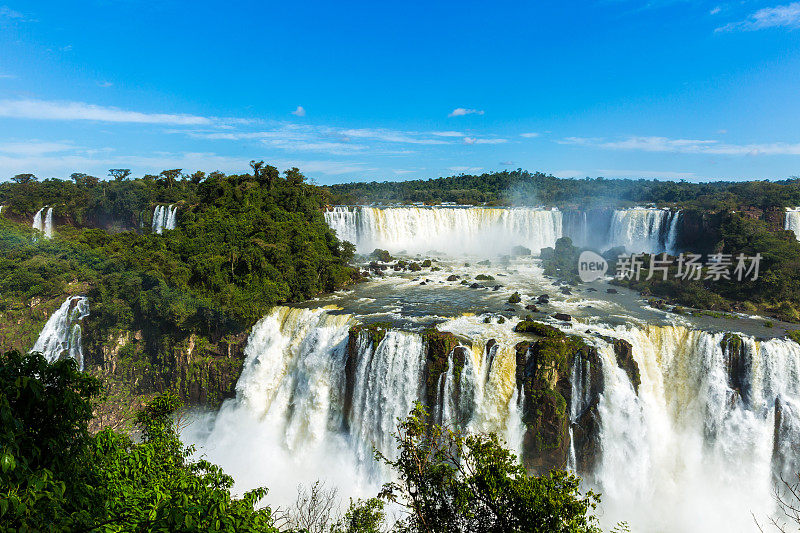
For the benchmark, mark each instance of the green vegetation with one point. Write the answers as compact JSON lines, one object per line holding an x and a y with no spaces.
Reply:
{"x":561,"y":262}
{"x":55,"y":476}
{"x":776,"y":292}
{"x":522,"y":187}
{"x":243,"y":244}
{"x":449,"y":481}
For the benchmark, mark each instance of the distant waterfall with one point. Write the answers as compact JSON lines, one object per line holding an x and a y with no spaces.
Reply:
{"x":793,"y":221}
{"x":164,"y":217}
{"x":61,"y":335}
{"x":698,"y":448}
{"x":644,"y":230}
{"x":44,"y":223}
{"x":451,"y":230}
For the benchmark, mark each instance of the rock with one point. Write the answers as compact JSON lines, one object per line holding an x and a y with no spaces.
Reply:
{"x":611,"y":291}
{"x":566,"y":290}
{"x":515,"y":298}
{"x":624,"y":351}
{"x":414,"y":267}
{"x":531,"y":307}
{"x":736,"y":363}
{"x":381,"y":255}
{"x":423,"y":283}
{"x":496,"y":287}
{"x":484,"y":277}
{"x":520,"y":250}
{"x":452,"y":277}
{"x":426,"y":264}
{"x":543,"y":299}
{"x":476,"y":286}
{"x":591,"y":289}
{"x":563,"y":317}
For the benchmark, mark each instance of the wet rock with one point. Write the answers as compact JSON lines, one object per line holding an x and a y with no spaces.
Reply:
{"x":591,"y":289}
{"x":520,"y":251}
{"x":563,"y":317}
{"x":611,"y":291}
{"x":531,"y":307}
{"x":452,"y":277}
{"x":566,"y":290}
{"x":624,"y":351}
{"x":543,"y":299}
{"x":476,"y":286}
{"x":736,"y":363}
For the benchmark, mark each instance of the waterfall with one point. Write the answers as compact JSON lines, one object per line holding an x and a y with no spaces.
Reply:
{"x":698,"y":447}
{"x":644,"y":230}
{"x":452,"y":230}
{"x":164,"y":218}
{"x":61,"y":335}
{"x":44,"y":223}
{"x":793,"y":221}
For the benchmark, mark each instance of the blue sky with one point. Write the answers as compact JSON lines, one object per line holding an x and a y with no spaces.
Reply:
{"x":351,"y":91}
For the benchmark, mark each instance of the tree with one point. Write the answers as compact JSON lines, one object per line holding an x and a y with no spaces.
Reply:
{"x":170,"y":176}
{"x":456,"y":482}
{"x":256,"y":166}
{"x":119,"y":174}
{"x":197,"y":177}
{"x":23,"y":178}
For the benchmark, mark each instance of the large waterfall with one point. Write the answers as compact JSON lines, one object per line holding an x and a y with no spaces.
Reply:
{"x":305,"y":411}
{"x":793,"y":221}
{"x":485,"y":231}
{"x":715,"y":420}
{"x":43,"y":221}
{"x":164,"y":217}
{"x":61,"y":335}
{"x":451,"y":230}
{"x":644,"y":230}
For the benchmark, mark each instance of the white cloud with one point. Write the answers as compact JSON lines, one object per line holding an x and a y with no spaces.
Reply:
{"x":35,"y":147}
{"x":7,"y":76}
{"x":613,"y":173}
{"x":529,"y":135}
{"x":48,"y":110}
{"x":446,"y":133}
{"x":787,"y":16}
{"x":474,"y":140}
{"x":715,"y":10}
{"x":506,"y":163}
{"x":460,"y":112}
{"x":465,"y":169}
{"x":687,"y":146}
{"x":104,"y":84}
{"x":299,"y":112}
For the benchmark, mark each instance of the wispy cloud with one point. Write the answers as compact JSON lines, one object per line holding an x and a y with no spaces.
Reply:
{"x":474,"y":140}
{"x":299,"y":112}
{"x":529,"y":135}
{"x":614,"y":173}
{"x":787,"y":16}
{"x":461,"y":111}
{"x":6,"y":13}
{"x":104,"y":84}
{"x":49,"y":110}
{"x":464,"y":169}
{"x":35,"y":147}
{"x":687,"y":146}
{"x":715,"y":10}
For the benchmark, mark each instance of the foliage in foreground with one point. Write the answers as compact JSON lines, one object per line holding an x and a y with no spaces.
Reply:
{"x":449,"y":481}
{"x":55,"y":476}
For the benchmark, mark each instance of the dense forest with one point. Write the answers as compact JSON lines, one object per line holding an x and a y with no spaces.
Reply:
{"x":168,"y":311}
{"x":520,"y":187}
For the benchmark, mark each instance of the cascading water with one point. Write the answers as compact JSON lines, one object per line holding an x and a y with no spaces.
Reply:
{"x":452,"y":230}
{"x":644,"y":230}
{"x":164,"y":218}
{"x":44,"y":223}
{"x":61,"y":335}
{"x":697,"y":448}
{"x":793,"y":221}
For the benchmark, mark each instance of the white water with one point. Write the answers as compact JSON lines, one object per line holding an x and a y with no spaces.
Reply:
{"x":61,"y":335}
{"x":453,"y":230}
{"x":44,"y":223}
{"x":288,"y":424}
{"x":687,"y":453}
{"x":644,"y":230}
{"x":793,"y":221}
{"x":164,"y":218}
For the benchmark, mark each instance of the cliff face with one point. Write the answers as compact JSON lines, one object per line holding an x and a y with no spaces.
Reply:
{"x":698,"y":230}
{"x":132,"y":370}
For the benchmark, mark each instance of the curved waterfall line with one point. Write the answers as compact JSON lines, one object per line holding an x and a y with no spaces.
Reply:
{"x":44,"y":223}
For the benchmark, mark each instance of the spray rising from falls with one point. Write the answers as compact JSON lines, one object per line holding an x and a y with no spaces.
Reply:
{"x":44,"y":223}
{"x":452,"y":230}
{"x":61,"y":335}
{"x":793,"y":221}
{"x":316,"y":396}
{"x":715,"y":421}
{"x":164,"y":218}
